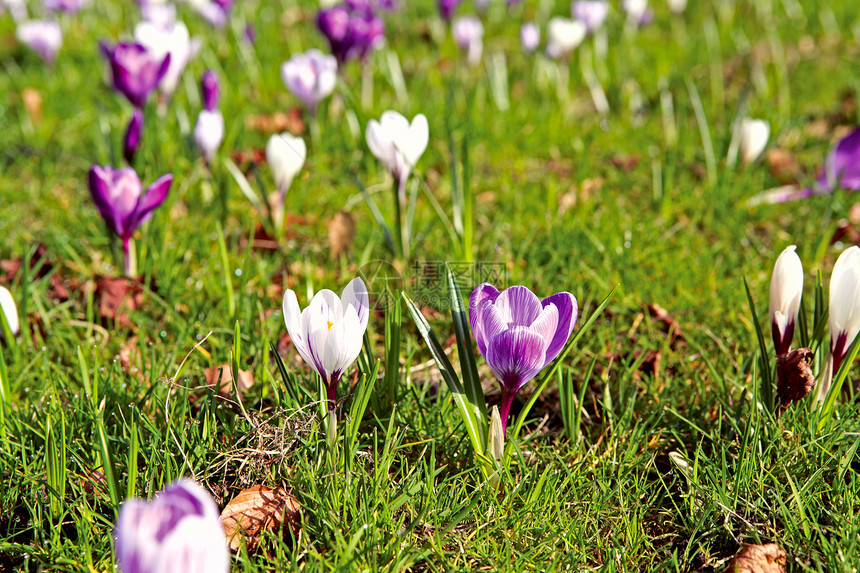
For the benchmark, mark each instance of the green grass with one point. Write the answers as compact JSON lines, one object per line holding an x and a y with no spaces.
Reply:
{"x":86,"y":397}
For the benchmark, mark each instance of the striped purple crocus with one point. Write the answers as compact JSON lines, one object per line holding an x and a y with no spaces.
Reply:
{"x":178,"y":531}
{"x":518,"y":334}
{"x":119,"y":197}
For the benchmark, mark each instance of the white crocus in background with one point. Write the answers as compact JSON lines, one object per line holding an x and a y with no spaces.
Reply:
{"x":328,"y":333}
{"x":563,"y":36}
{"x":529,"y":37}
{"x":9,"y":310}
{"x":468,"y":34}
{"x":42,"y":36}
{"x":398,"y":144}
{"x":174,"y":40}
{"x":753,"y":139}
{"x":786,"y":289}
{"x":311,"y":77}
{"x":208,"y":133}
{"x":677,"y":6}
{"x":285,"y":155}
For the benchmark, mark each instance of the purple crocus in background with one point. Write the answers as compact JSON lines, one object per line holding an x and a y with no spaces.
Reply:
{"x":42,"y":36}
{"x":518,"y":334}
{"x":68,"y":6}
{"x":133,"y":135}
{"x":592,"y":13}
{"x":841,"y":171}
{"x":211,"y":90}
{"x":178,"y":531}
{"x":209,"y":130}
{"x":118,"y":195}
{"x":135,"y":71}
{"x":352,"y":34}
{"x":447,"y":8}
{"x":310,"y":76}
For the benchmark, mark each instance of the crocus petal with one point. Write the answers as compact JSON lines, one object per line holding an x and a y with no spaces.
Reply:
{"x":568,"y":312}
{"x":293,"y":321}
{"x":381,"y":144}
{"x":546,"y":323}
{"x":518,"y":305}
{"x":516,"y":355}
{"x":843,"y":164}
{"x":189,"y":548}
{"x":343,"y":344}
{"x":116,"y":193}
{"x":9,"y":311}
{"x":484,"y":293}
{"x":355,"y":295}
{"x":845,"y":301}
{"x":154,"y":196}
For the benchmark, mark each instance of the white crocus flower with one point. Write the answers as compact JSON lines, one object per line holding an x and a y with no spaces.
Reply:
{"x":786,"y":288}
{"x":468,"y":34}
{"x":397,"y":143}
{"x":329,"y":332}
{"x":844,"y":304}
{"x":563,"y":36}
{"x":286,"y":155}
{"x":9,"y":310}
{"x":753,"y":138}
{"x":208,"y":133}
{"x":677,"y":6}
{"x":172,"y":39}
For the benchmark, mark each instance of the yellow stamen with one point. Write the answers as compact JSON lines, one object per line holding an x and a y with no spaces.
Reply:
{"x":330,"y":324}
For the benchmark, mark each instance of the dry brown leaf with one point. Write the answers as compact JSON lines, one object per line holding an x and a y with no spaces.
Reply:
{"x":767,"y":558}
{"x":625,"y":162}
{"x":277,"y":122}
{"x":795,"y":379}
{"x":782,"y":165}
{"x":32,"y":103}
{"x":225,"y":373}
{"x":257,"y":510}
{"x":117,"y":297}
{"x":341,"y":232}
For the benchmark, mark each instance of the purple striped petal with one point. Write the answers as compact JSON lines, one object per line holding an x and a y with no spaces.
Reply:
{"x":843,"y":165}
{"x":483,"y":295}
{"x":568,"y":311}
{"x":516,"y":355}
{"x":518,"y":305}
{"x":546,"y":323}
{"x":155,"y":196}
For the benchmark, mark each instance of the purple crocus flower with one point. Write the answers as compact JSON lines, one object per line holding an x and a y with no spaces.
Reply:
{"x":518,"y":334}
{"x":841,"y":170}
{"x":42,"y":36}
{"x":69,"y":6}
{"x":135,"y":70}
{"x":178,"y":531}
{"x":468,"y":34}
{"x":118,"y":195}
{"x":211,"y":90}
{"x":447,"y":8}
{"x":351,"y":34}
{"x":133,"y":135}
{"x":592,"y":13}
{"x":310,"y":76}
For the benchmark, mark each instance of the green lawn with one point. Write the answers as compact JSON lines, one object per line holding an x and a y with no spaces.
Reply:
{"x":99,"y":408}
